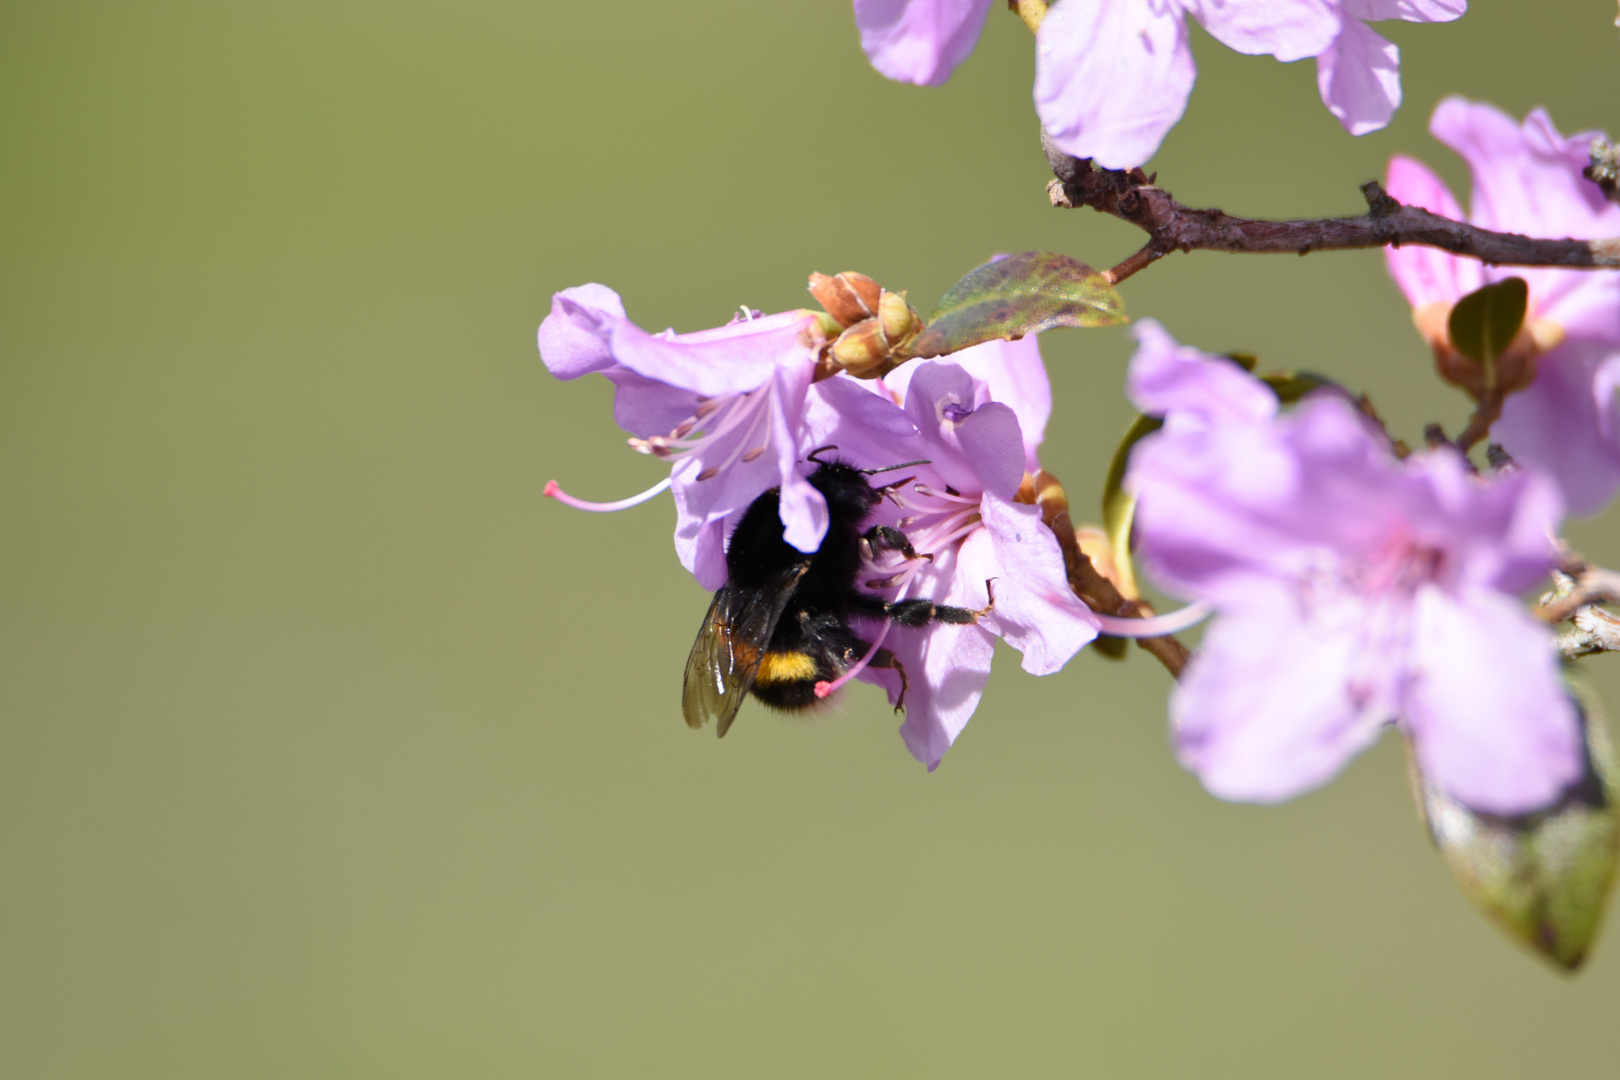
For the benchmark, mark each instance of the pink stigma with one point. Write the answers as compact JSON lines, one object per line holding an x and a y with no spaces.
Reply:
{"x":554,"y":492}
{"x":823,"y":689}
{"x":1157,"y":626}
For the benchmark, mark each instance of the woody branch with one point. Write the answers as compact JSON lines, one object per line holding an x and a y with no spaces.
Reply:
{"x":1131,"y":195}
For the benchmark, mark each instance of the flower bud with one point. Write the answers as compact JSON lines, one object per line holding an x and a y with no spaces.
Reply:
{"x":1515,"y":367}
{"x":827,"y":326}
{"x":862,"y":350}
{"x":849,"y":297}
{"x":900,"y":320}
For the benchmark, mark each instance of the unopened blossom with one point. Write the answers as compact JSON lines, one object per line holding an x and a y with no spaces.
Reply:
{"x":1351,"y":590}
{"x":1112,"y":78}
{"x":958,"y":508}
{"x":724,"y":405}
{"x":1527,"y":179}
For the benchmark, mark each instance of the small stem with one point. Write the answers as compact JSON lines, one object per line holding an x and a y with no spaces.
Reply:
{"x":1486,"y":413}
{"x":1147,"y":256}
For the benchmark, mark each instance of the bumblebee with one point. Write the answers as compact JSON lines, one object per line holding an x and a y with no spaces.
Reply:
{"x":780,"y":624}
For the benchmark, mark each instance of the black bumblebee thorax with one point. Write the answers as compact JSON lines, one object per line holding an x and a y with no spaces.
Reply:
{"x":758,"y":552}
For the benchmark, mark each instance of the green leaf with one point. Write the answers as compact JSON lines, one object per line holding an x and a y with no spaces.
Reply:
{"x":1487,"y":319}
{"x":1290,"y":386}
{"x":1542,"y":878}
{"x":1119,"y":505}
{"x":1119,"y":510}
{"x":1021,"y":294}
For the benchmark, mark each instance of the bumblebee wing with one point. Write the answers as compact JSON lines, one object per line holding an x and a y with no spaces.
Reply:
{"x":725,"y":658}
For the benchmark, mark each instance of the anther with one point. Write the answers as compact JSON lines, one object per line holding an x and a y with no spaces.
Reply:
{"x":754,"y":453}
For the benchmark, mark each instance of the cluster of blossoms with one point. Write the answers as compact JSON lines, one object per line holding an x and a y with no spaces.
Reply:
{"x":1351,"y":589}
{"x":1112,"y":78}
{"x":1565,"y":364}
{"x":1355,"y":586}
{"x":739,"y":408}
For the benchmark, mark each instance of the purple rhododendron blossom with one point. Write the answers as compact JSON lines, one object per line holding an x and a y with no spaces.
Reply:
{"x":1351,"y":590}
{"x":726,"y":405}
{"x":1527,"y":179}
{"x":1112,"y":78}
{"x":976,"y":421}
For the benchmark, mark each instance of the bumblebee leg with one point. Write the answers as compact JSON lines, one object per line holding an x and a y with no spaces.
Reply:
{"x":883,"y":658}
{"x":920,"y":612}
{"x":880,"y":538}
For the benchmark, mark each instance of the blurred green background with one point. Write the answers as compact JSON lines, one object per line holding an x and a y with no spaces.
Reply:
{"x":329,"y":747}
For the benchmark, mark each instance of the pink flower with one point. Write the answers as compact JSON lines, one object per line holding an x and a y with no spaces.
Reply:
{"x":1527,"y":179}
{"x":725,"y":405}
{"x":1112,"y":78}
{"x":958,"y":507}
{"x":1351,"y":589}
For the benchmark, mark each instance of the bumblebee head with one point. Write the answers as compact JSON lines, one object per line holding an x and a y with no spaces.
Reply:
{"x":845,"y":487}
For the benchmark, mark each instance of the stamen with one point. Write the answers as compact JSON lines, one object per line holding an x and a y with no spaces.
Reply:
{"x":708,"y":474}
{"x":554,"y":492}
{"x":1157,"y":626}
{"x":825,"y":688}
{"x":752,"y":454}
{"x":949,"y":494}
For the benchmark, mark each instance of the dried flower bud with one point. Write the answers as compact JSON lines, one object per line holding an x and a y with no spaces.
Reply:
{"x":849,"y":297}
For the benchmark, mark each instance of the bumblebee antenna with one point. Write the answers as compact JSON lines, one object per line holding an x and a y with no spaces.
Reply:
{"x":891,"y":468}
{"x":811,"y":456}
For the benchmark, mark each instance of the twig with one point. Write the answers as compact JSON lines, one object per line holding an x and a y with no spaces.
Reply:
{"x":1604,"y":171}
{"x":1100,"y":595}
{"x":1587,"y":586}
{"x":1131,"y":196}
{"x":1596,"y":630}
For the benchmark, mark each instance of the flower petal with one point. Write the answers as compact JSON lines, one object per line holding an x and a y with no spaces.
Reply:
{"x":1526,"y":178}
{"x":1490,"y":722}
{"x":1409,"y":10}
{"x":1276,"y":702}
{"x":700,"y":544}
{"x":1166,"y":378}
{"x":1036,"y":610}
{"x":1566,"y":423}
{"x":1014,"y":375}
{"x":1111,"y":79}
{"x":574,"y":337}
{"x":947,"y":666}
{"x":1287,"y":29}
{"x":1427,"y":275}
{"x":731,"y":359}
{"x":919,"y":41}
{"x":972,"y":447}
{"x":645,"y":407}
{"x":1359,"y":78}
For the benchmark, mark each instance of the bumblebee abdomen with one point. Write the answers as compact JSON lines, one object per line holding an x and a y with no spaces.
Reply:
{"x":787,"y":680}
{"x":786,"y":667}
